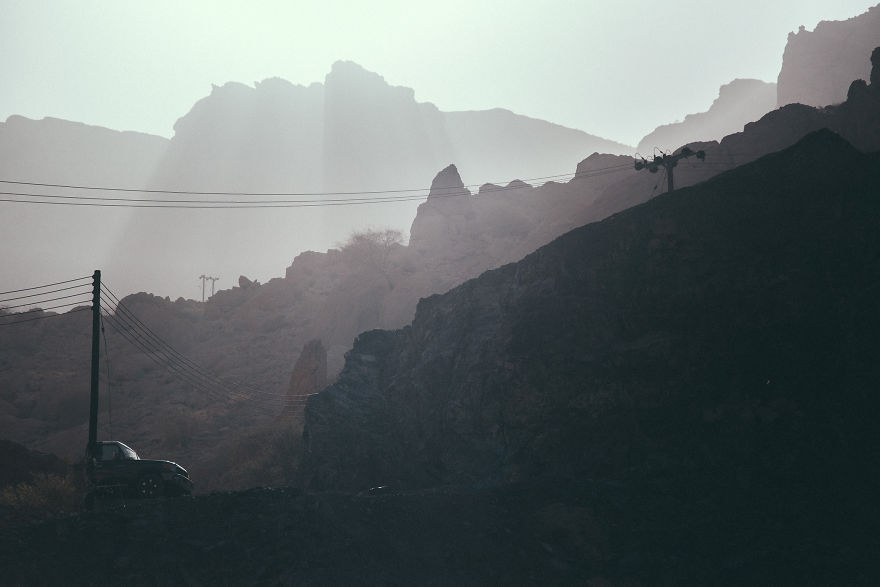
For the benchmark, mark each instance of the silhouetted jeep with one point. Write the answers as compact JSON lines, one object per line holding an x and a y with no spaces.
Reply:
{"x":115,"y":469}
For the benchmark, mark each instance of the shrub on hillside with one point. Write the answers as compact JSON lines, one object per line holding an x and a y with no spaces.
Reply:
{"x":45,"y":491}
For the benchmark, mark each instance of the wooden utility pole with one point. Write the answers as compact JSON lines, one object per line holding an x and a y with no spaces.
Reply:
{"x":668,"y":162}
{"x":96,"y":349}
{"x":213,"y":279}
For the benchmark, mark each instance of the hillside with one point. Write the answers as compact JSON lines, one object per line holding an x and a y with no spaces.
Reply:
{"x":711,"y":352}
{"x":680,"y":394}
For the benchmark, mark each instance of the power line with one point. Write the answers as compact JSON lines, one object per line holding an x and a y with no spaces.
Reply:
{"x":152,"y":343}
{"x":219,"y":193}
{"x":3,"y":293}
{"x":32,"y":303}
{"x":116,"y":202}
{"x":45,"y":293}
{"x":200,"y":205}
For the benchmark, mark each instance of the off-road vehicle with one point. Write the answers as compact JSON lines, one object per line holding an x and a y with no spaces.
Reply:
{"x":115,"y":469}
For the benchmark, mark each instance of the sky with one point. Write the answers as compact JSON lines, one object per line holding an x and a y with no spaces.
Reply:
{"x":614,"y":69}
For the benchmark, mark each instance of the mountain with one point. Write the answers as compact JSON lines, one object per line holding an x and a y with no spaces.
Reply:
{"x":680,"y":394}
{"x":818,"y":65}
{"x":252,"y":334}
{"x":353,"y":132}
{"x":738,"y":103}
{"x":704,"y":364}
{"x":42,"y":240}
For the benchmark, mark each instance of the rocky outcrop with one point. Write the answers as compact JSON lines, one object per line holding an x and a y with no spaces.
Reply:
{"x":309,"y":377}
{"x":710,"y":319}
{"x":738,"y":103}
{"x":818,"y":65}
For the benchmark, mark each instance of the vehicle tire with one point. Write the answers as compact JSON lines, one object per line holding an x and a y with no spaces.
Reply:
{"x":150,"y":486}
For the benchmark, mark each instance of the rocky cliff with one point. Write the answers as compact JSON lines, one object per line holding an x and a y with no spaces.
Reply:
{"x":818,"y":65}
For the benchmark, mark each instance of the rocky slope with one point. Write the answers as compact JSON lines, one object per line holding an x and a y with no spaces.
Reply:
{"x":697,"y":299}
{"x":710,"y":354}
{"x":738,"y":103}
{"x":818,"y":65}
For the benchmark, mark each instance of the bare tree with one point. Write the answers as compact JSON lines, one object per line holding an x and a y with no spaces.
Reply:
{"x":371,"y":250}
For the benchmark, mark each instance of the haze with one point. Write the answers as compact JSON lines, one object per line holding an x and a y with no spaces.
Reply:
{"x":613,"y":72}
{"x":614,"y":69}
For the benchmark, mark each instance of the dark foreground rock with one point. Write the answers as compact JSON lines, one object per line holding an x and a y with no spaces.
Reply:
{"x":511,"y":535}
{"x":565,"y":532}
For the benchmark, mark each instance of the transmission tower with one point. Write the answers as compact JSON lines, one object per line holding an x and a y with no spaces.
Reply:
{"x":668,"y":162}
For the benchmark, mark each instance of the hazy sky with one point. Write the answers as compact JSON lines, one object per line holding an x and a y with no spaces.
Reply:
{"x":615,"y":69}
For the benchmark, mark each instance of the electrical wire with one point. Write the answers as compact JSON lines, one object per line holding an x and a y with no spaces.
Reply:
{"x":155,"y":340}
{"x":3,"y":293}
{"x":138,"y":334}
{"x":45,"y":293}
{"x":218,"y":193}
{"x":32,"y":303}
{"x":115,"y":202}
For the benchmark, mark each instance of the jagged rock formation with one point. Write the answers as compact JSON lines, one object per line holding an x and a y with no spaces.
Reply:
{"x":738,"y":103}
{"x":309,"y":377}
{"x":818,"y":65}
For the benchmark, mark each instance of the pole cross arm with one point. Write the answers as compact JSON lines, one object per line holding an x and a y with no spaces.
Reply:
{"x":667,"y":162}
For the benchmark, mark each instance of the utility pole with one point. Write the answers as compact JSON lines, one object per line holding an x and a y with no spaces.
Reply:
{"x":96,"y":349}
{"x":205,"y":278}
{"x":668,"y":162}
